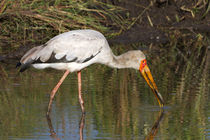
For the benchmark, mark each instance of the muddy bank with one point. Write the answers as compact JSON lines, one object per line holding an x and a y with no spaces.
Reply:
{"x":157,"y":20}
{"x":149,"y":35}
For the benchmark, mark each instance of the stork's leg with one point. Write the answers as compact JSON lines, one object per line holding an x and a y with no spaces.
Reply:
{"x":80,"y":91}
{"x":52,"y":94}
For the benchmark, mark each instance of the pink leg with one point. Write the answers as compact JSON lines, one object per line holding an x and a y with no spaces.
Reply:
{"x":52,"y":94}
{"x":80,"y":91}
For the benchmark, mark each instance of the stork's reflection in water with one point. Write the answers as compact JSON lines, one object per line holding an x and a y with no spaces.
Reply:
{"x":155,"y":126}
{"x":53,"y":133}
{"x":150,"y":135}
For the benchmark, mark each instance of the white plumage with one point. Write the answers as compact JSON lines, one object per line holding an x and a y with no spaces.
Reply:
{"x":75,"y":46}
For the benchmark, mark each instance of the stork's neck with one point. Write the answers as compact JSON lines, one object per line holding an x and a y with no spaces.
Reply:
{"x":122,"y":61}
{"x":118,"y":62}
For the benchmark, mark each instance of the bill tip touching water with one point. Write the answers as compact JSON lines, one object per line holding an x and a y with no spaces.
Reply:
{"x":74,"y":50}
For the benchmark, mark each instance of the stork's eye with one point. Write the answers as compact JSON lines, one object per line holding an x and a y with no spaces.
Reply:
{"x":144,"y":62}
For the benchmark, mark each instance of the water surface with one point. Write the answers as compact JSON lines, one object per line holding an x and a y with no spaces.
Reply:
{"x":119,"y":104}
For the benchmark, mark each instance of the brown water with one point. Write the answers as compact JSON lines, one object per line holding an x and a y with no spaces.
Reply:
{"x":119,"y":104}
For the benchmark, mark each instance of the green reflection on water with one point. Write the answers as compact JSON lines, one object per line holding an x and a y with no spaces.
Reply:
{"x":119,"y":103}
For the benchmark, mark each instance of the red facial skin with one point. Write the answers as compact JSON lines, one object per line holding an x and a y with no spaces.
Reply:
{"x":143,"y":64}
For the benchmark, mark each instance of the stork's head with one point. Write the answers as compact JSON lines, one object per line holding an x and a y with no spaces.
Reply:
{"x":137,"y":60}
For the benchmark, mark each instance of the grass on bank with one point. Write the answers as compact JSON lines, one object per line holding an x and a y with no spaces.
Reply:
{"x":27,"y":21}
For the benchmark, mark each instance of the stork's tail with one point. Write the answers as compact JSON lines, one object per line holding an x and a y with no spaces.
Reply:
{"x":23,"y":67}
{"x":28,"y":58}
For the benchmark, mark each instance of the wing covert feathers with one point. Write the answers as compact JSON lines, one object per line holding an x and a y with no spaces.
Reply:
{"x":77,"y":46}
